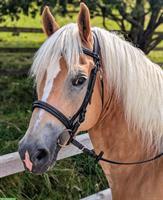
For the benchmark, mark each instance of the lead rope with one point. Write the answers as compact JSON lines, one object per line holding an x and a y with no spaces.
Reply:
{"x":99,"y":157}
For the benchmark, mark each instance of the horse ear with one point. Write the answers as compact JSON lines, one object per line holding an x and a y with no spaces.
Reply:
{"x":84,"y":23}
{"x":49,"y":24}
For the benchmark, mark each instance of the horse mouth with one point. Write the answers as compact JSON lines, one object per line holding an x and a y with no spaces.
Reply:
{"x":39,"y":170}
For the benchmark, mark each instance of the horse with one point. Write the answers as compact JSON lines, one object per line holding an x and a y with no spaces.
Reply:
{"x":123,"y":114}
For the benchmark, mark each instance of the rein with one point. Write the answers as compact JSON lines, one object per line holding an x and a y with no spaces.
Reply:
{"x":73,"y":124}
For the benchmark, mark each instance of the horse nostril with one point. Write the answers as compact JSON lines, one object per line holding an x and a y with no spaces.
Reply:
{"x":42,"y":154}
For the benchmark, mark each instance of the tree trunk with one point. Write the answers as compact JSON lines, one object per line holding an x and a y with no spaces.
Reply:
{"x":136,"y":33}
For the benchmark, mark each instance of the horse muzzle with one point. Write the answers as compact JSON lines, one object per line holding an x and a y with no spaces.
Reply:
{"x":39,"y":150}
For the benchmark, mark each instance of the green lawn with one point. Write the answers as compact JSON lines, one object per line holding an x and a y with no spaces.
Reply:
{"x":71,"y":178}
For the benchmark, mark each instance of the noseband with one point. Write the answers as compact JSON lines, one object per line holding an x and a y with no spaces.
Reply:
{"x":74,"y":122}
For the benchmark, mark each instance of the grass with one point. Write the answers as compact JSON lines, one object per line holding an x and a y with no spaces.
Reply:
{"x":23,"y":40}
{"x":71,"y":178}
{"x":15,"y":60}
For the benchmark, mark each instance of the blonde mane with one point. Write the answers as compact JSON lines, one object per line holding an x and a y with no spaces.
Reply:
{"x":137,"y":81}
{"x":66,"y":42}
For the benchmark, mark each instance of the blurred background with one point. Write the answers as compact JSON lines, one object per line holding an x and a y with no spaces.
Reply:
{"x":139,"y":21}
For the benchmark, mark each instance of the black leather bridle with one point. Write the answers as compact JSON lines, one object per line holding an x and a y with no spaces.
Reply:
{"x":73,"y":124}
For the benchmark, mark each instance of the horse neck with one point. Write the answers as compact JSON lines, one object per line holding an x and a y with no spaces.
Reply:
{"x":113,"y":136}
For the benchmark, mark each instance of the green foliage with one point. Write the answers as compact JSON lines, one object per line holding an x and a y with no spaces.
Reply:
{"x":27,"y":7}
{"x":14,"y":8}
{"x":139,"y":19}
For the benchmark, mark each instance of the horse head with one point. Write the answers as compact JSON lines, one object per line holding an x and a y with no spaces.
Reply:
{"x":62,"y":74}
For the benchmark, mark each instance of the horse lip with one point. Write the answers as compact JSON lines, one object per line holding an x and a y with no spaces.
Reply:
{"x":41,"y":169}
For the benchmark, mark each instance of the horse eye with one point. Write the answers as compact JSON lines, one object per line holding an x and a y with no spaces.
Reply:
{"x":79,"y":81}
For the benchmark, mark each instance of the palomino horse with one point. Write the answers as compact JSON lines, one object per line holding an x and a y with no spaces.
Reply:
{"x":124,"y":113}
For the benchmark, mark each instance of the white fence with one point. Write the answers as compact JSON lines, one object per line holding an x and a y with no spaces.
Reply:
{"x":11,"y":164}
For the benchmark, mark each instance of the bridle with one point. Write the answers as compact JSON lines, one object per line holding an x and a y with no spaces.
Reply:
{"x":73,"y":124}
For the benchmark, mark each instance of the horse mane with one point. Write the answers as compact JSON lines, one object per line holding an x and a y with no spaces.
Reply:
{"x":66,"y":41}
{"x":136,"y":80}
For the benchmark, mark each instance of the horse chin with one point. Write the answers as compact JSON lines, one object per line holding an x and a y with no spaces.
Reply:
{"x":53,"y":162}
{"x":43,"y":169}
{"x":39,"y":171}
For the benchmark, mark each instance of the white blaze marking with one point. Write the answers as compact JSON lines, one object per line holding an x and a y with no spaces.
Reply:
{"x":52,"y":73}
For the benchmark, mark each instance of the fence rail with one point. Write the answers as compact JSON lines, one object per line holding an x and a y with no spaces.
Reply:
{"x":31,"y":50}
{"x":36,"y":30}
{"x":11,"y":164}
{"x":102,"y":195}
{"x":18,"y":50}
{"x":20,"y":30}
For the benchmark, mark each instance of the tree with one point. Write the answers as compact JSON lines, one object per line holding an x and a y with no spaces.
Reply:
{"x":13,"y":8}
{"x":27,"y":7}
{"x":139,"y":19}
